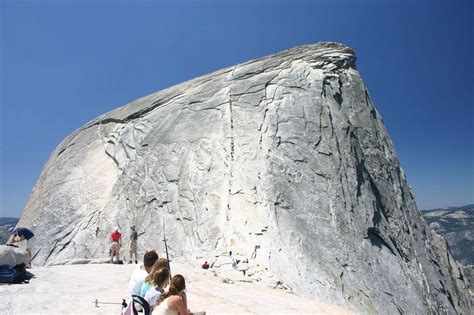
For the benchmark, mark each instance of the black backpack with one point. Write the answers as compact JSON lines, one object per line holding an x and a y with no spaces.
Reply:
{"x":143,"y":305}
{"x":21,"y":275}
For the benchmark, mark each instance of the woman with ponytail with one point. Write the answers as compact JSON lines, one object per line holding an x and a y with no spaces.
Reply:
{"x":158,"y":281}
{"x":173,"y":301}
{"x":150,"y":281}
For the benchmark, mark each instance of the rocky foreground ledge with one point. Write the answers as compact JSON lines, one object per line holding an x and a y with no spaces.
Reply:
{"x":74,"y":288}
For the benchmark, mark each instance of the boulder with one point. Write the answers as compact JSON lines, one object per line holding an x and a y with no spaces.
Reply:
{"x":12,"y":256}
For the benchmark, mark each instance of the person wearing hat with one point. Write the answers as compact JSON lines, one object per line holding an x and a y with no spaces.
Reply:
{"x":23,"y":234}
{"x":116,"y":239}
{"x":133,"y":244}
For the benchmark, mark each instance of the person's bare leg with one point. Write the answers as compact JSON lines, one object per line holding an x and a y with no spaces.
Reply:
{"x":29,"y":253}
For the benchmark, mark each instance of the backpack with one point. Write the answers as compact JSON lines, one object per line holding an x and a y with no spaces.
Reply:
{"x":137,"y":305}
{"x":7,"y":274}
{"x":21,"y":275}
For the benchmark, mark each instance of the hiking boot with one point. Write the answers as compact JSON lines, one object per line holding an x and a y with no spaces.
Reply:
{"x":136,"y":261}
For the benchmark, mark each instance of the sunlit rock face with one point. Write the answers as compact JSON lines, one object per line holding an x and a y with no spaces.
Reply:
{"x":283,"y":161}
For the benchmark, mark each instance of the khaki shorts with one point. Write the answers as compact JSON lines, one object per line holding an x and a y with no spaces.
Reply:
{"x":133,"y":247}
{"x":115,"y":248}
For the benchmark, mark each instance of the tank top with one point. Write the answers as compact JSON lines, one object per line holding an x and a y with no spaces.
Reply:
{"x":163,"y":309}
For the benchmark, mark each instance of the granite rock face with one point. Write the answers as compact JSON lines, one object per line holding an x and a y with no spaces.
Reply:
{"x":468,"y":271}
{"x":282,"y":161}
{"x":456,"y":226}
{"x":457,"y":278}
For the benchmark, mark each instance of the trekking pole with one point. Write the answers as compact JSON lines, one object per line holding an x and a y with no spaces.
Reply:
{"x":165,"y":239}
{"x":96,"y":302}
{"x":167,"y":256}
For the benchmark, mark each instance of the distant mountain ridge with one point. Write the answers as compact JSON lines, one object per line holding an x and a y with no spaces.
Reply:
{"x":5,"y":224}
{"x":470,"y":206}
{"x":455,"y":224}
{"x":4,"y":220}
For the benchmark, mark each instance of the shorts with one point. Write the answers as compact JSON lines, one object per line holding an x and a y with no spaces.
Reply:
{"x":133,"y":247}
{"x":30,"y":242}
{"x":115,"y":248}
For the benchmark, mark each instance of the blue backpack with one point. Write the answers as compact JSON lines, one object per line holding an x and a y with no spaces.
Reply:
{"x":17,"y":274}
{"x":7,"y":274}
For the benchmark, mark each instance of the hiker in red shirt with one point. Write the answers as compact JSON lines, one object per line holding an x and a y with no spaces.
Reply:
{"x":116,"y":239}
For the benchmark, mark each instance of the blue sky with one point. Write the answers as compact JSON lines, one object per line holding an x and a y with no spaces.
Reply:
{"x":65,"y":62}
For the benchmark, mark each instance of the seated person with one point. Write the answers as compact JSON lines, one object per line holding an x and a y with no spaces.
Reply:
{"x":158,"y":281}
{"x":142,"y":271}
{"x":173,"y":301}
{"x":147,"y":284}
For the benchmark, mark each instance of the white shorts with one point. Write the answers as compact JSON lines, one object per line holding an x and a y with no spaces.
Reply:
{"x":30,"y":242}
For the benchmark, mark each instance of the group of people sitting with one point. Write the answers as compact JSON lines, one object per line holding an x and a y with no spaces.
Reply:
{"x":149,"y":281}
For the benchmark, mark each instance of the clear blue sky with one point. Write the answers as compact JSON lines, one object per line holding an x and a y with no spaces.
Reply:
{"x":64,"y":63}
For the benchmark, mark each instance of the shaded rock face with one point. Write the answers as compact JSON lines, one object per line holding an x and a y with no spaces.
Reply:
{"x":456,"y":226}
{"x":283,"y":161}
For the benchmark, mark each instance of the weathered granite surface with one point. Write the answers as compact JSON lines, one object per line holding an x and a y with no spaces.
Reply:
{"x":468,"y":272}
{"x":457,"y":282}
{"x":283,"y":160}
{"x":12,"y":256}
{"x":456,"y":225}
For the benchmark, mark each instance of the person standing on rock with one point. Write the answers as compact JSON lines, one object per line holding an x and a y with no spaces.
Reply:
{"x":23,"y":234}
{"x":116,"y":238}
{"x":133,"y":244}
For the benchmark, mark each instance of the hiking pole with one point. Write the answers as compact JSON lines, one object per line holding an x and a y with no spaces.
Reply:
{"x":96,"y":302}
{"x":167,"y":256}
{"x":165,"y":239}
